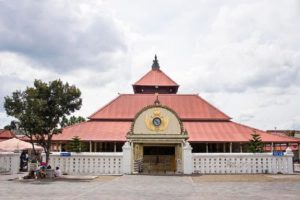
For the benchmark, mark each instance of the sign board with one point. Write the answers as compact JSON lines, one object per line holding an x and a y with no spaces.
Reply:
{"x":278,"y":153}
{"x":65,"y":154}
{"x":33,"y":166}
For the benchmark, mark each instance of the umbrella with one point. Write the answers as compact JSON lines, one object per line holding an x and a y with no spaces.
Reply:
{"x":15,"y":144}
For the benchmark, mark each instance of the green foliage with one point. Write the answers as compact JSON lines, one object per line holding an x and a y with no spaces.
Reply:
{"x":76,"y":145}
{"x":72,"y":120}
{"x":41,"y":109}
{"x":12,"y":126}
{"x":255,"y":144}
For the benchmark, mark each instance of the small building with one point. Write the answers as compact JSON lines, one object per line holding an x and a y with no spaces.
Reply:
{"x":157,"y":122}
{"x":6,"y":135}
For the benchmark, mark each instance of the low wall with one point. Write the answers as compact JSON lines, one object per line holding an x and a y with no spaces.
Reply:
{"x":88,"y":163}
{"x":9,"y":162}
{"x":241,"y":163}
{"x":297,"y":167}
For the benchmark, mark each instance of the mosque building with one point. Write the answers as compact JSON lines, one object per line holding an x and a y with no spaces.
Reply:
{"x":157,"y":121}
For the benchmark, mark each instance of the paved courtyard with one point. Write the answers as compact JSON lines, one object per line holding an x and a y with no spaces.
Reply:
{"x":156,"y":187}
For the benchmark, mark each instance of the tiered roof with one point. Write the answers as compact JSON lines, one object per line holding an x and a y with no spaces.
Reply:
{"x":203,"y":121}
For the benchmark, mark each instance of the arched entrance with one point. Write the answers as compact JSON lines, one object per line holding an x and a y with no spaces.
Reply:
{"x":157,"y":137}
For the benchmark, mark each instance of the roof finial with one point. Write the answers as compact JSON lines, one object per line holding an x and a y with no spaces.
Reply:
{"x":155,"y":64}
{"x":156,"y":102}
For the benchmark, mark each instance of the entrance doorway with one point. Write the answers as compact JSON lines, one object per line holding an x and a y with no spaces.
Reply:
{"x":159,"y":159}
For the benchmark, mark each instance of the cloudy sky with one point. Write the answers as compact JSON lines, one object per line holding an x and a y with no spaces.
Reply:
{"x":243,"y":56}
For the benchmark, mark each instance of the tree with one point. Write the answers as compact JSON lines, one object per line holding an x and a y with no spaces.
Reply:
{"x":40,"y":110}
{"x":76,"y":145}
{"x":255,"y":143}
{"x":72,"y":120}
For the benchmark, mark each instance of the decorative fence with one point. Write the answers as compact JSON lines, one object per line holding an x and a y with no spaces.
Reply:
{"x":88,"y":163}
{"x":241,"y":163}
{"x":9,"y":162}
{"x":121,"y":163}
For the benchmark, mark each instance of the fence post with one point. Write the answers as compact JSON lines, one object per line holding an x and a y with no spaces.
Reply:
{"x":126,"y":158}
{"x":187,"y":159}
{"x":289,"y":156}
{"x":15,"y":163}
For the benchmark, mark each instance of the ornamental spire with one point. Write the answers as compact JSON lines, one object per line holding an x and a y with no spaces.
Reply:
{"x":155,"y":64}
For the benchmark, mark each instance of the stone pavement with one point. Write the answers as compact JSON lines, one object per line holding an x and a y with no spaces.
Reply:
{"x":156,"y":187}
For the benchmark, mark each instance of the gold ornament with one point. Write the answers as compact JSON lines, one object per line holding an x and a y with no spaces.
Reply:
{"x":156,"y":115}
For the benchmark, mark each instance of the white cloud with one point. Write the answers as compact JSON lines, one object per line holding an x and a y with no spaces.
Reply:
{"x":243,"y":56}
{"x":61,"y":35}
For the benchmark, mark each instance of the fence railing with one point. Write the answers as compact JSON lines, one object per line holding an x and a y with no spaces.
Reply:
{"x":9,"y":162}
{"x":88,"y":163}
{"x":241,"y":163}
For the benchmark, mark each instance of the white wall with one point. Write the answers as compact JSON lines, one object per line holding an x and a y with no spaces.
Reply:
{"x":88,"y":163}
{"x":241,"y":163}
{"x":9,"y":162}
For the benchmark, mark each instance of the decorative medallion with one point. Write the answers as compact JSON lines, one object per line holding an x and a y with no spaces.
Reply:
{"x":157,"y":122}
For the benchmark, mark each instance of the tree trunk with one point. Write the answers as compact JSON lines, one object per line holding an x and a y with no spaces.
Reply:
{"x":48,"y":147}
{"x":47,"y":156}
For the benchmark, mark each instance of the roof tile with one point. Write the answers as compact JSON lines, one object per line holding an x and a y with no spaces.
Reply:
{"x":156,"y":77}
{"x":188,"y":107}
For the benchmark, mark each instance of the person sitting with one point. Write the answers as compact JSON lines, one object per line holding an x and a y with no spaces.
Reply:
{"x":42,"y":172}
{"x":57,"y":172}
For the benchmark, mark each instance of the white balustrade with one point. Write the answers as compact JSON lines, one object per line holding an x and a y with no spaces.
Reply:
{"x":242,"y":163}
{"x":9,"y":162}
{"x":88,"y":163}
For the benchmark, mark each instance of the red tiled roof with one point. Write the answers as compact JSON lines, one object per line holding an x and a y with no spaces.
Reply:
{"x":228,"y":132}
{"x":95,"y":131}
{"x":6,"y":134}
{"x":156,"y":77}
{"x":197,"y":132}
{"x":188,"y":107}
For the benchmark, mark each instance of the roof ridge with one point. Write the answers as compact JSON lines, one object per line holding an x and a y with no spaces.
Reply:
{"x":73,"y":125}
{"x":168,"y":77}
{"x":143,"y":77}
{"x":247,"y":126}
{"x":153,"y":71}
{"x":213,"y":106}
{"x":106,"y":105}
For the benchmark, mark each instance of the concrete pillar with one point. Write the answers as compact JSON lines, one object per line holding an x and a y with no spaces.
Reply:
{"x":224,"y":147}
{"x":272,"y":147}
{"x":230,"y":147}
{"x":206,"y":147}
{"x":91,"y":146}
{"x":60,"y":146}
{"x":127,"y":158}
{"x":290,"y":165}
{"x":241,"y":148}
{"x":115,"y":147}
{"x":187,"y":159}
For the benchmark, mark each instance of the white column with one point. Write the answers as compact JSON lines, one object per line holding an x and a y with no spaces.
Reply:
{"x":95,"y":146}
{"x":126,"y":158}
{"x":187,"y":159}
{"x":91,"y":146}
{"x":290,"y":165}
{"x":272,"y":147}
{"x":230,"y":147}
